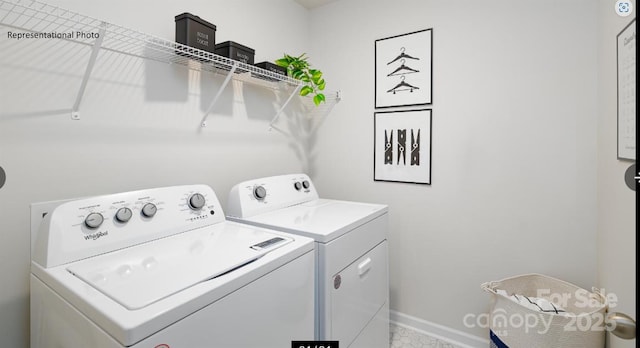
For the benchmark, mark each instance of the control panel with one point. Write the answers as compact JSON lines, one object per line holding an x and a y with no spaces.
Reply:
{"x":263,"y":195}
{"x":91,"y":226}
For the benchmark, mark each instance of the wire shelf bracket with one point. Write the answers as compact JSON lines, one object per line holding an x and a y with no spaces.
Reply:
{"x":75,"y":111}
{"x":317,"y":113}
{"x":295,"y":91}
{"x":326,"y":111}
{"x":203,"y":123}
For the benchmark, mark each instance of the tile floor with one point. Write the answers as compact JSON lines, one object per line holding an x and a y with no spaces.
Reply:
{"x":402,"y":337}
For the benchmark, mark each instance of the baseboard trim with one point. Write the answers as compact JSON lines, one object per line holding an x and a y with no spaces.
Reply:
{"x":444,"y":333}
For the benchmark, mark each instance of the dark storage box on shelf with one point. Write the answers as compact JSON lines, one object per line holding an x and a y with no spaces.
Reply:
{"x":235,"y":51}
{"x":276,"y":69}
{"x":273,"y":68}
{"x":195,"y":32}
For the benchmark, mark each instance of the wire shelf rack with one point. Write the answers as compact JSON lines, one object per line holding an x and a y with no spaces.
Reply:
{"x":34,"y":19}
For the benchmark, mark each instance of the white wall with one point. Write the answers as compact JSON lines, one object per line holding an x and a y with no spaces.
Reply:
{"x":616,"y":202}
{"x":514,"y":144}
{"x":139,"y":126}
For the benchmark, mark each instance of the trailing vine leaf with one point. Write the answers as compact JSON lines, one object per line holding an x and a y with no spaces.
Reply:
{"x":319,"y":98}
{"x":306,"y":90}
{"x":300,"y":69}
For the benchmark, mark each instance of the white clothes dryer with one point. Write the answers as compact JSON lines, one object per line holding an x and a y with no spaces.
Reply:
{"x":352,"y":279}
{"x":162,"y":268}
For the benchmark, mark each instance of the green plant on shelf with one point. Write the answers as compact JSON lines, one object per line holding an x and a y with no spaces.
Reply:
{"x":300,"y":69}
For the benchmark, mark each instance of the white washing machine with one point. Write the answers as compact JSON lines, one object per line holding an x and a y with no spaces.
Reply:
{"x":162,"y":268}
{"x":352,"y":279}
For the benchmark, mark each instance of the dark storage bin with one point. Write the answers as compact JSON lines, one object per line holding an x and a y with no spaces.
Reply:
{"x":195,"y":32}
{"x":270,"y":67}
{"x":235,"y":51}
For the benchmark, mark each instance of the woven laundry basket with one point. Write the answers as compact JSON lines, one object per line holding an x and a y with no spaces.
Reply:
{"x":577,"y":318}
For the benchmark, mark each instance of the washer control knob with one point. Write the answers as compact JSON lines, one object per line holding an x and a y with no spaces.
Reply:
{"x":306,"y":184}
{"x":149,"y":210}
{"x":123,"y":214}
{"x":259,"y":192}
{"x":94,"y":220}
{"x":297,"y":185}
{"x":196,"y":201}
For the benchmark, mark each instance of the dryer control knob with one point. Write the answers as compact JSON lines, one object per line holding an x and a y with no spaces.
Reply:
{"x":259,"y":192}
{"x":149,"y":210}
{"x":297,"y":185}
{"x":123,"y":214}
{"x":94,"y":220}
{"x":196,"y":201}
{"x":306,"y":184}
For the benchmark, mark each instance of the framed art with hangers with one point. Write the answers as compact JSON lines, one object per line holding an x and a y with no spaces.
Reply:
{"x":404,"y":69}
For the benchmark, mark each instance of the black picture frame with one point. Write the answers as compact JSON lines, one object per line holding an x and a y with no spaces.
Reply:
{"x":402,"y":146}
{"x":404,"y":70}
{"x":626,"y":85}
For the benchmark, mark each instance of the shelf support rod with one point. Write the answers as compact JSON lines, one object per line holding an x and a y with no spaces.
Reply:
{"x":75,"y":113}
{"x":295,"y":91}
{"x":326,"y":113}
{"x":218,"y":94}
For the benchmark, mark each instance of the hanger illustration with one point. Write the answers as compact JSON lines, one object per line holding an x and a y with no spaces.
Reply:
{"x":402,"y":86}
{"x":403,"y":55}
{"x":403,"y":69}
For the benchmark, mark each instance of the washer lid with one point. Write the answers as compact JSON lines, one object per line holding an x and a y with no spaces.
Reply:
{"x":140,"y":275}
{"x":320,"y":219}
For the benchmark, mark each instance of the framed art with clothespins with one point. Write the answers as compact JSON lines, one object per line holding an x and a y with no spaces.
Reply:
{"x":402,"y":146}
{"x":403,"y":69}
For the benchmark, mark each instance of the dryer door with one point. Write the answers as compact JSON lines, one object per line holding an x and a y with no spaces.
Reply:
{"x":358,"y":292}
